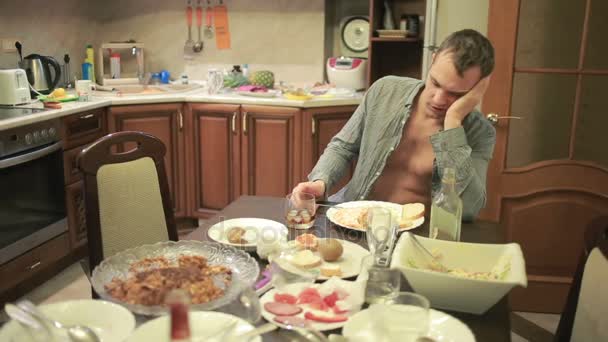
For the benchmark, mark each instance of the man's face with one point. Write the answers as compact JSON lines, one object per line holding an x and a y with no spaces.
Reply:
{"x":444,"y":85}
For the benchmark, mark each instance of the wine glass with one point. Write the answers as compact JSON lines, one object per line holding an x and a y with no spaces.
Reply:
{"x":380,"y":229}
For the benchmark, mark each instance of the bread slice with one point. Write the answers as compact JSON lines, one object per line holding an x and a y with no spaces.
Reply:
{"x":409,"y":213}
{"x":306,"y":259}
{"x":330,"y":270}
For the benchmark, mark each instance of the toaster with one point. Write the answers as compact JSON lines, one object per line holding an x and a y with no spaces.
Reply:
{"x":347,"y":72}
{"x":14,"y":87}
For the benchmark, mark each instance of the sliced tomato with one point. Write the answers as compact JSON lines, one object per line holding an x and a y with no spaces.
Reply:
{"x":309,"y":295}
{"x":285,"y":298}
{"x":324,"y":318}
{"x":331,"y":299}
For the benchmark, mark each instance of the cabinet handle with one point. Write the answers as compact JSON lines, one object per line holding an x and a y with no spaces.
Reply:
{"x":181,"y":119}
{"x":244,"y":122}
{"x":88,"y":116}
{"x":314,"y":128}
{"x":35,"y":265}
{"x":233,"y":125}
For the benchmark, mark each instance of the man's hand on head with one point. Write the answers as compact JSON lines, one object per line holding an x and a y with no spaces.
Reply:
{"x":464,"y":105}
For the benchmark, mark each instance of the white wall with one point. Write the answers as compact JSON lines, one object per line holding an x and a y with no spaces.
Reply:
{"x":454,"y":15}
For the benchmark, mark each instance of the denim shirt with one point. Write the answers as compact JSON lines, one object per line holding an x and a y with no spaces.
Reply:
{"x":374,"y":132}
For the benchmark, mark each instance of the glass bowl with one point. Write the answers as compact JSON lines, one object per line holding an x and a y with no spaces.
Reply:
{"x":245,"y":270}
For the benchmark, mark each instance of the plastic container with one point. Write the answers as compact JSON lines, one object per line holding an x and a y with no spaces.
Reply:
{"x":91,"y":59}
{"x":87,"y":70}
{"x":165,"y":76}
{"x":115,"y":65}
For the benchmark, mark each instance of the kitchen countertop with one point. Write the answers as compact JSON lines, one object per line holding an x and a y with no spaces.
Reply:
{"x":194,"y":96}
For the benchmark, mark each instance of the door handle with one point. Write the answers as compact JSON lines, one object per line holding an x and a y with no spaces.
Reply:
{"x":181,"y":119}
{"x":244,"y":122}
{"x":313,"y":127}
{"x":233,"y":124}
{"x":493,"y":118}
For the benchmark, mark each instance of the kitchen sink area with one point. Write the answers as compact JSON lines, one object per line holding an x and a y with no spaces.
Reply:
{"x":139,"y":89}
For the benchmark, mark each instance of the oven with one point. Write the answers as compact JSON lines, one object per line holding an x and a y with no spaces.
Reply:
{"x":32,"y":193}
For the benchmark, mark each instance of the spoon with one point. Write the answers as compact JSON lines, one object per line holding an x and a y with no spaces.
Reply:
{"x":77,"y":333}
{"x":198,"y":46}
{"x":436,"y":263}
{"x":209,"y":18}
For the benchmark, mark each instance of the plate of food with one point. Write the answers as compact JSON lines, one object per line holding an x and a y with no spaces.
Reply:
{"x":353,"y":215}
{"x":244,"y":233}
{"x":213,"y":274}
{"x":325,"y":258}
{"x":321,"y":307}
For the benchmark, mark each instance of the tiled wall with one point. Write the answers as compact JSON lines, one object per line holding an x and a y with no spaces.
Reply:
{"x":63,"y":27}
{"x":284,"y":36}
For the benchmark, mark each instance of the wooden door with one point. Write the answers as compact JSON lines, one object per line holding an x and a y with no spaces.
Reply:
{"x":271,"y":159}
{"x":166,"y":122}
{"x":318,"y":127}
{"x":213,"y":165}
{"x":77,"y":221}
{"x":549,"y":174}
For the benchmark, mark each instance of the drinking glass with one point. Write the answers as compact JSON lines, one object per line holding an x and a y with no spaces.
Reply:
{"x":215,"y":81}
{"x":406,"y":318}
{"x":300,"y":209}
{"x":383,"y":283}
{"x":380,"y":229}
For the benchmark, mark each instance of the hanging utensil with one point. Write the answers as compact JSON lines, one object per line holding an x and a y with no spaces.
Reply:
{"x":198,"y":46}
{"x":18,"y":46}
{"x":188,"y":46}
{"x":208,"y":21}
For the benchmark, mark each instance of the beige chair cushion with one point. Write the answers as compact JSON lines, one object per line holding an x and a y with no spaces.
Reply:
{"x":130,"y":205}
{"x":591,"y":318}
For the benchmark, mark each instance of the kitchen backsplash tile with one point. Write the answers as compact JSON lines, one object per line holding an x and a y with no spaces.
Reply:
{"x":284,"y":36}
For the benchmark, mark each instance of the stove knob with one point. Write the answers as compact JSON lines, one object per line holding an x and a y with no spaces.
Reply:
{"x":28,"y":139}
{"x":44,"y":133}
{"x":36,"y":136}
{"x":52,"y":132}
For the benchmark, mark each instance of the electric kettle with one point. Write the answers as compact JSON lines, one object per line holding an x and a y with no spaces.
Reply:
{"x":38,"y":71}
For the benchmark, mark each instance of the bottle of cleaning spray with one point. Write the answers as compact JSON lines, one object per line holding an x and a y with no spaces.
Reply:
{"x":91,"y":59}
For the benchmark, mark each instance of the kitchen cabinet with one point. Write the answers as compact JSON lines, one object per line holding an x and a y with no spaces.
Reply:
{"x":319,"y":126}
{"x":271,"y":155}
{"x":214,"y":149}
{"x":78,"y":131}
{"x":240,"y":150}
{"x":166,"y":122}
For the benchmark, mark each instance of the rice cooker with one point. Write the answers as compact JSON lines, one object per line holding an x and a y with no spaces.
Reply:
{"x":347,"y":72}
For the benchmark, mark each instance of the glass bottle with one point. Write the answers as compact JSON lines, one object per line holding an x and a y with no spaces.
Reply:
{"x":178,"y":302}
{"x":446,"y":210}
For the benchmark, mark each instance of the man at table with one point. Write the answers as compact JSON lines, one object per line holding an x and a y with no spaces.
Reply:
{"x":406,"y":131}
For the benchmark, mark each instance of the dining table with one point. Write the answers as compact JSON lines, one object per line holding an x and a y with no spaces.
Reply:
{"x":493,"y":325}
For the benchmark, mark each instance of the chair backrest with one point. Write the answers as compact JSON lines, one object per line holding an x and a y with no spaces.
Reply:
{"x":591,"y":318}
{"x":127,"y":196}
{"x":587,"y":304}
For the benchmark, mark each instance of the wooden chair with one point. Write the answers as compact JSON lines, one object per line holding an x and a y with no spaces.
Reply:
{"x":127,"y":197}
{"x":585,"y":316}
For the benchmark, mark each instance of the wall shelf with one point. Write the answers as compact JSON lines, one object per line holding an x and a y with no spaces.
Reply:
{"x":396,"y":39}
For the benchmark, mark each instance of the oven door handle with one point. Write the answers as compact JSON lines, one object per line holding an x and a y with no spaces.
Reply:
{"x":24,"y":158}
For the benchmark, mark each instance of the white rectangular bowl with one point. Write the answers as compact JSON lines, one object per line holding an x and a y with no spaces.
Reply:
{"x":449,"y":292}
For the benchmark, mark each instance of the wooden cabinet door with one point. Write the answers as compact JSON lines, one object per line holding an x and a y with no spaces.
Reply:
{"x":166,"y":122}
{"x":271,"y":150}
{"x":77,"y":222}
{"x":319,"y":126}
{"x":213,"y":165}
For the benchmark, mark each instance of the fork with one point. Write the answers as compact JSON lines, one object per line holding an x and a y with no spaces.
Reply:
{"x":436,"y":262}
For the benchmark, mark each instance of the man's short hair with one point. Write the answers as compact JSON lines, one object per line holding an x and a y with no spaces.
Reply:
{"x":469,"y":48}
